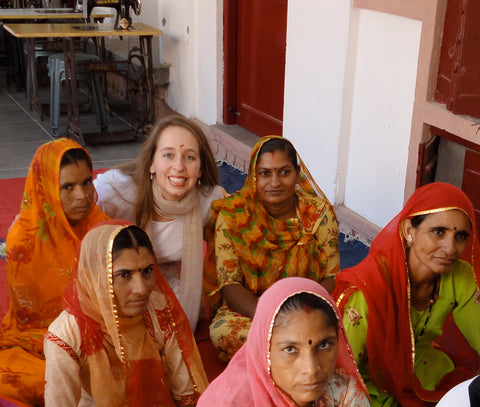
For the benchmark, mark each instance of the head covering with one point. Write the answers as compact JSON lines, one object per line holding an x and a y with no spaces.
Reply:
{"x":247,"y":379}
{"x":124,"y":354}
{"x":384,"y":271}
{"x":291,"y":244}
{"x":41,"y":250}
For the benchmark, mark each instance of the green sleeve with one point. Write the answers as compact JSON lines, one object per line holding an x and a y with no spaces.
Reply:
{"x":355,"y":320}
{"x":466,"y":313}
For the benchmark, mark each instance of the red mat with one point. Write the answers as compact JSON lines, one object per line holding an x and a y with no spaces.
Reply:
{"x":11,"y":191}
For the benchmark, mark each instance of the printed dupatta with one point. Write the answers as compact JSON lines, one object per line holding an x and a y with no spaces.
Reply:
{"x":291,"y":245}
{"x":115,"y":376}
{"x":41,"y":251}
{"x":390,"y":331}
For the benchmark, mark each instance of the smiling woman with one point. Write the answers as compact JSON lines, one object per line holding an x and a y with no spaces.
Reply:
{"x":296,"y":354}
{"x":123,"y":339}
{"x":168,"y":191}
{"x":421,"y":268}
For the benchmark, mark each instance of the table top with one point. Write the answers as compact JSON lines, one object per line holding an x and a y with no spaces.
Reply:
{"x":45,"y":13}
{"x":60,"y":30}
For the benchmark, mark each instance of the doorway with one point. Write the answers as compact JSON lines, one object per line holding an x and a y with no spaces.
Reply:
{"x":254,"y":48}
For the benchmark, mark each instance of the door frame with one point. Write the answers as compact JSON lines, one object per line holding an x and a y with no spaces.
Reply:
{"x":230,"y":11}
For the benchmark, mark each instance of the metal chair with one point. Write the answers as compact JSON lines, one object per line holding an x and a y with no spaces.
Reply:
{"x":56,"y":72}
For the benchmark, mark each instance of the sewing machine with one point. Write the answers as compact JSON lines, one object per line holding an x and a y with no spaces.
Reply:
{"x":123,"y":20}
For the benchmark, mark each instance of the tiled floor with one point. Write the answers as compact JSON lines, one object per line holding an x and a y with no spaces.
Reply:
{"x":22,"y":132}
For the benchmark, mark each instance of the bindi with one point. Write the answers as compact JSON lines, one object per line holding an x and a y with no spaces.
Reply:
{"x":182,"y":145}
{"x":310,"y":342}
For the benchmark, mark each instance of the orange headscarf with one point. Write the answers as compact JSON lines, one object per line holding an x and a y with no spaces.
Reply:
{"x":41,"y":251}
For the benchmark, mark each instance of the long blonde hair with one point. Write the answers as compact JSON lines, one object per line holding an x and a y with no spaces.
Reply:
{"x":139,"y":169}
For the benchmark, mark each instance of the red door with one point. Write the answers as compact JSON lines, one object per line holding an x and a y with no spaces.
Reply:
{"x":255,"y":44}
{"x":471,"y":181}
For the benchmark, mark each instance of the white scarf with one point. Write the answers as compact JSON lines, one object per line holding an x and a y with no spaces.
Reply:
{"x":191,"y":276}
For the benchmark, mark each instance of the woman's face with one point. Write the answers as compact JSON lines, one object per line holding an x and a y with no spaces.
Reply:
{"x":303,"y":354}
{"x":438,"y":242}
{"x":133,"y":280}
{"x":76,"y":191}
{"x":176,"y":164}
{"x":276,"y":179}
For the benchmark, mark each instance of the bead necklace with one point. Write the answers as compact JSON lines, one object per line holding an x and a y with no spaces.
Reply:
{"x":429,"y":309}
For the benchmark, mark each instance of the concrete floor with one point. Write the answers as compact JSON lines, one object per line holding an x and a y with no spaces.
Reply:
{"x":22,"y":132}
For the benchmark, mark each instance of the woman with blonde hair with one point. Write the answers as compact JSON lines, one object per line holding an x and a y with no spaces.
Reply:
{"x":168,"y":191}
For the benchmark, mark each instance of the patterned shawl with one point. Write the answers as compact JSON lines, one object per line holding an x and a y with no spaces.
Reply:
{"x":247,"y":380}
{"x":124,"y":357}
{"x":269,"y":248}
{"x":41,"y":250}
{"x":383,"y":280}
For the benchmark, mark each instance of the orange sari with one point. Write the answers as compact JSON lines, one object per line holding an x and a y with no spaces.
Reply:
{"x":41,"y":250}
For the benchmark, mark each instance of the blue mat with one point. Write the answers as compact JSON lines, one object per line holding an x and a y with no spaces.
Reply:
{"x":230,"y":178}
{"x":351,"y":252}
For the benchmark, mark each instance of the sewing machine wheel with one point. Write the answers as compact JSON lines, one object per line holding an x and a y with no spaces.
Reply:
{"x":139,"y":87}
{"x":137,"y":6}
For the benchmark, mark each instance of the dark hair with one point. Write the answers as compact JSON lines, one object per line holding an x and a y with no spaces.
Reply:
{"x":131,"y":237}
{"x":280,"y":144}
{"x":75,"y":155}
{"x":139,"y":169}
{"x":302,"y":301}
{"x":416,"y":220}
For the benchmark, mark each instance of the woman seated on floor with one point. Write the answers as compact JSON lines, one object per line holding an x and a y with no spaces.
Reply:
{"x":123,"y":338}
{"x":57,"y":210}
{"x":168,"y":191}
{"x":280,"y":224}
{"x":296,"y":354}
{"x":396,"y":302}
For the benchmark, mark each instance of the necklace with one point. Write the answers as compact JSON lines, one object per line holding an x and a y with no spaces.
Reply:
{"x":429,"y":309}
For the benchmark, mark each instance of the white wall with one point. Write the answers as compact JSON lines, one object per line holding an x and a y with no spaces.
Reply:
{"x":383,"y":95}
{"x":349,"y":89}
{"x":317,"y":39}
{"x":189,"y":45}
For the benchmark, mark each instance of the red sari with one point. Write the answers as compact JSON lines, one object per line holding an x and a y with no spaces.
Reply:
{"x":383,"y":280}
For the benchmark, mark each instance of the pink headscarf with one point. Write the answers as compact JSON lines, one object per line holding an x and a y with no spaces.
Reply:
{"x":247,"y":381}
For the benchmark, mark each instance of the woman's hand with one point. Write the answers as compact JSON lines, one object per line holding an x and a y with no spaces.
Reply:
{"x":240,"y":299}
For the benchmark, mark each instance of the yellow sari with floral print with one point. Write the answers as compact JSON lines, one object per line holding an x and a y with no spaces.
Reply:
{"x":247,"y":246}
